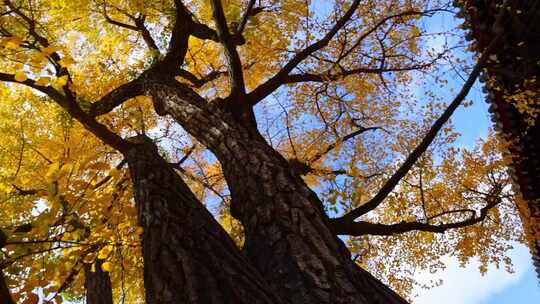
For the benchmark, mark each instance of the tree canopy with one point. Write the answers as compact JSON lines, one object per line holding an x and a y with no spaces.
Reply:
{"x":335,"y":87}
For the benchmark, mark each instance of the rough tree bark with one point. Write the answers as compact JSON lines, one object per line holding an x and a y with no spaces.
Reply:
{"x":97,"y":284}
{"x":188,"y":257}
{"x":287,"y":234}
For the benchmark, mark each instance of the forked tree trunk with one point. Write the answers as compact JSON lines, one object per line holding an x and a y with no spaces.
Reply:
{"x":287,"y":234}
{"x":188,"y":257}
{"x":97,"y":284}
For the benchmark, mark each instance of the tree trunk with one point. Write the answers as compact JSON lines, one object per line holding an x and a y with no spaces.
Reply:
{"x":98,"y":285}
{"x":5,"y":296}
{"x":188,"y":257}
{"x":287,"y":234}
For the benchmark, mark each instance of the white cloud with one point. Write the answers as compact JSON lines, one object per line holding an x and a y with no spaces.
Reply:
{"x":467,"y":285}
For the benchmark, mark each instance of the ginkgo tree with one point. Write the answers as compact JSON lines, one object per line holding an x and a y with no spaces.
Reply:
{"x":213,"y":151}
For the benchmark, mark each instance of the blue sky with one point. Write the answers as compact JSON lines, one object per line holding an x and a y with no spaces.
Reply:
{"x":468,"y":286}
{"x":523,"y":290}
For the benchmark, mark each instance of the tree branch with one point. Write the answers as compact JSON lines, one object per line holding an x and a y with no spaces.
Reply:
{"x":328,"y":76}
{"x":118,"y":23}
{"x":138,"y":27}
{"x":25,"y":192}
{"x":69,"y":104}
{"x":364,"y":228}
{"x":330,"y":147}
{"x":234,"y":64}
{"x":185,"y":26}
{"x":276,"y":81}
{"x":43,"y":41}
{"x":178,"y":44}
{"x":108,"y":177}
{"x":199,"y":82}
{"x":245,"y":17}
{"x":381,"y":23}
{"x":68,"y":100}
{"x":116,"y":97}
{"x":425,"y":143}
{"x":5,"y":295}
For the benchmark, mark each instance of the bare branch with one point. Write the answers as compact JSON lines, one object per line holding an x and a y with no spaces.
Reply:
{"x":381,"y":23}
{"x":328,"y":77}
{"x":331,"y":147}
{"x":276,"y":81}
{"x":187,"y":155}
{"x":202,"y":182}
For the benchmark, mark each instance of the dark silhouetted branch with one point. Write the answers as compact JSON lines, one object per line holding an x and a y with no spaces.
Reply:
{"x":364,"y":228}
{"x":115,"y":98}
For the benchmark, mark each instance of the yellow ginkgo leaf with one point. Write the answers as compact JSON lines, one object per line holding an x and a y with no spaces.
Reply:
{"x":49,"y":50}
{"x":66,"y":169}
{"x":59,"y":299}
{"x":20,"y":76}
{"x":416,"y":31}
{"x":62,"y":80}
{"x":13,"y":43}
{"x":107,"y":266}
{"x":43,"y":81}
{"x":66,"y":62}
{"x":52,"y":173}
{"x":38,"y":58}
{"x":104,"y":252}
{"x":59,"y":82}
{"x":32,"y":298}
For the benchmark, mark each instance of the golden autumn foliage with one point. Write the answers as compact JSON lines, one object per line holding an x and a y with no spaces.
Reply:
{"x":63,"y":186}
{"x":66,"y":197}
